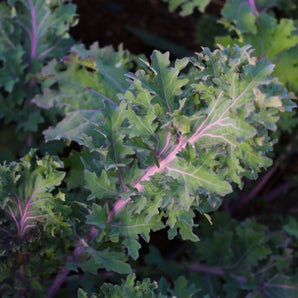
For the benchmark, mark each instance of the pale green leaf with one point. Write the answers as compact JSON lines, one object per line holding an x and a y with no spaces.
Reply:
{"x":100,"y":187}
{"x":131,"y":227}
{"x":242,"y":13}
{"x":269,"y":32}
{"x":287,"y":68}
{"x":166,"y":85}
{"x":195,"y":177}
{"x":26,"y":189}
{"x":105,"y":258}
{"x":281,"y":286}
{"x":187,"y":6}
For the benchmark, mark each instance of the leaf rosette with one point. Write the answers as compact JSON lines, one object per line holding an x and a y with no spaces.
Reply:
{"x":173,"y":140}
{"x":29,"y":199}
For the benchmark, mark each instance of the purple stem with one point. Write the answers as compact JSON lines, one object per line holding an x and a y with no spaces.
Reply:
{"x":6,"y":38}
{"x":168,"y":139}
{"x":207,"y":269}
{"x":166,"y":98}
{"x":255,"y":191}
{"x":34,"y":30}
{"x":61,"y":277}
{"x":281,"y":286}
{"x":153,"y":169}
{"x":58,"y":282}
{"x":123,"y":186}
{"x":14,"y":219}
{"x":253,"y":5}
{"x":25,"y":28}
{"x":43,"y":20}
{"x":29,"y":204}
{"x":116,"y":83}
{"x":34,"y":217}
{"x":102,"y":96}
{"x":89,"y":89}
{"x":19,"y":204}
{"x":24,"y":228}
{"x":24,"y":214}
{"x":276,"y":192}
{"x":45,"y":52}
{"x":269,"y":284}
{"x":6,"y":231}
{"x":263,"y":181}
{"x":198,"y":267}
{"x":38,"y":201}
{"x":165,"y":162}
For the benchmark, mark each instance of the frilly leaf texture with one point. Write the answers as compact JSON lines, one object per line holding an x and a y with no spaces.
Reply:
{"x":259,"y":262}
{"x":262,"y":32}
{"x":26,"y":195}
{"x":44,"y":21}
{"x":170,"y":140}
{"x":145,"y":288}
{"x":31,"y":33}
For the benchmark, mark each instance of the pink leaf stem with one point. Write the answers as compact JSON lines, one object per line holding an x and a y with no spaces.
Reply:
{"x":24,"y":213}
{"x":287,"y":287}
{"x":211,"y":112}
{"x":88,"y":89}
{"x":61,"y":277}
{"x":114,"y":81}
{"x":45,"y":52}
{"x":167,"y":160}
{"x":43,"y":20}
{"x":198,"y":267}
{"x":23,"y":230}
{"x":123,"y":186}
{"x":269,"y":284}
{"x":29,"y":203}
{"x":153,"y":169}
{"x":14,"y":218}
{"x":7,"y":39}
{"x":25,"y":28}
{"x":199,"y":133}
{"x":34,"y":30}
{"x":32,"y":211}
{"x":103,"y":96}
{"x":277,"y":191}
{"x":19,"y":204}
{"x":168,"y":139}
{"x":32,"y":217}
{"x":253,"y":5}
{"x":38,"y":201}
{"x":207,"y":269}
{"x":256,"y":190}
{"x":218,"y":137}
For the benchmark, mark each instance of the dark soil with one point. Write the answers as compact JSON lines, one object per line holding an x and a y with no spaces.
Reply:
{"x":107,"y":22}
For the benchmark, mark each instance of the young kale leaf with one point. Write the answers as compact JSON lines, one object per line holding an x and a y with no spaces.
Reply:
{"x":27,"y":198}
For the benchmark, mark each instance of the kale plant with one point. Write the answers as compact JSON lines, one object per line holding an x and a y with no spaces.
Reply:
{"x":165,"y":144}
{"x":258,"y":27}
{"x":31,"y":33}
{"x":159,"y":145}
